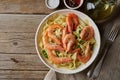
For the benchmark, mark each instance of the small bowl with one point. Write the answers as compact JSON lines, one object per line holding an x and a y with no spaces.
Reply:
{"x":52,"y":4}
{"x":81,"y":2}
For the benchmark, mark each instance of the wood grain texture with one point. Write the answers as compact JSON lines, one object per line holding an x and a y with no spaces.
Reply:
{"x":18,"y":57}
{"x":19,"y":23}
{"x":17,"y":42}
{"x":18,"y":33}
{"x":23,"y":6}
{"x":22,"y":75}
{"x":21,"y":62}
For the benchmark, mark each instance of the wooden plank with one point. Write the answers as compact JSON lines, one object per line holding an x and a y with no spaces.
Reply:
{"x":22,"y":75}
{"x":19,"y":23}
{"x":21,"y":62}
{"x":22,"y":78}
{"x":23,"y":6}
{"x":17,"y":43}
{"x":17,"y":33}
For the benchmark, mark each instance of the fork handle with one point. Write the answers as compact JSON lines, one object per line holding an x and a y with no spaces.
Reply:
{"x":95,"y":69}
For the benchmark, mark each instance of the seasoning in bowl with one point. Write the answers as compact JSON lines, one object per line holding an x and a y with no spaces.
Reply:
{"x":73,"y":4}
{"x":52,"y":4}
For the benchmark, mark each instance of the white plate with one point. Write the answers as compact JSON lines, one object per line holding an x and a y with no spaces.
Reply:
{"x":95,"y":51}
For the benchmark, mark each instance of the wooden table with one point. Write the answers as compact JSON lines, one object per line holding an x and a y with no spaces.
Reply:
{"x":19,"y":20}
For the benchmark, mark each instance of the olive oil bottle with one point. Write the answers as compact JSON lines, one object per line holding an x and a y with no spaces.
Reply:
{"x":99,"y":10}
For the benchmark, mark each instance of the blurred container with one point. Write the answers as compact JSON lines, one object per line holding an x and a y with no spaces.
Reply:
{"x":52,"y":4}
{"x":99,"y":10}
{"x":73,"y":4}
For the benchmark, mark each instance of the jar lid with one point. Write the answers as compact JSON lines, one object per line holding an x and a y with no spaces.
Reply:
{"x":52,"y":4}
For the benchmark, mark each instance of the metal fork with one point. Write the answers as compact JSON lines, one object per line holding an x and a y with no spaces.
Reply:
{"x":93,"y":73}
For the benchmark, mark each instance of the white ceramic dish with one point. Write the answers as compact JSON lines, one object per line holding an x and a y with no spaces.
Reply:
{"x":52,"y":4}
{"x":81,"y":2}
{"x":95,"y":51}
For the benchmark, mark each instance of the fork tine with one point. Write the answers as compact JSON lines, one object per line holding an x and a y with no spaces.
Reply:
{"x":107,"y":30}
{"x":113,"y":33}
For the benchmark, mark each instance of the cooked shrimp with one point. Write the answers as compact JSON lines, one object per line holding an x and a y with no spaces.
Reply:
{"x":51,"y":34}
{"x":64,"y":32}
{"x":57,"y":60}
{"x":68,"y":42}
{"x":78,"y":51}
{"x":84,"y":58}
{"x":72,"y":21}
{"x":87,"y":33}
{"x":51,"y":46}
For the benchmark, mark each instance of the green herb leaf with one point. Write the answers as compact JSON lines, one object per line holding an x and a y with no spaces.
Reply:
{"x":44,"y":53}
{"x":92,"y":46}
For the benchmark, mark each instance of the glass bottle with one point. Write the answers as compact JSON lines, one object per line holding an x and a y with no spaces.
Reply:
{"x":99,"y":10}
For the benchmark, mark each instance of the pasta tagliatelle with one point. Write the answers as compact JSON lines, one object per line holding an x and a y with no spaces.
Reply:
{"x":63,"y":48}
